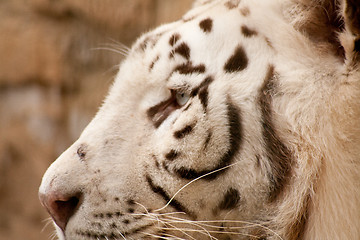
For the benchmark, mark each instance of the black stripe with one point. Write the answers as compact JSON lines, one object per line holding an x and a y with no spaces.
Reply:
{"x":278,"y":154}
{"x":174,"y":203}
{"x":173,"y":39}
{"x":247,"y":32}
{"x":153,"y":62}
{"x":206,"y":25}
{"x":237,"y":62}
{"x":208,"y":138}
{"x":183,"y":50}
{"x":203,"y":96}
{"x":205,"y":83}
{"x":183,"y":132}
{"x":235,"y":140}
{"x":202,"y":91}
{"x":172,"y":155}
{"x":231,"y":199}
{"x":188,"y":68}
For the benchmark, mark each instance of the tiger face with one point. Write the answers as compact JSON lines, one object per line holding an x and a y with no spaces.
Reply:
{"x":211,"y":130}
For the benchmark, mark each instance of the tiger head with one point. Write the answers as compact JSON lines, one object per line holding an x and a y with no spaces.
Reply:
{"x":239,"y":121}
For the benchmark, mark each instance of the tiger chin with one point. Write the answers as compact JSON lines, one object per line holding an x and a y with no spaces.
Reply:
{"x":239,"y":121}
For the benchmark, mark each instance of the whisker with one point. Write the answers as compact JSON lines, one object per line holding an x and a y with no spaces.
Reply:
{"x":120,"y":44}
{"x":177,"y":229}
{"x":53,"y":235}
{"x":123,"y":237}
{"x":157,"y":214}
{"x":206,"y":224}
{"x":48,"y":221}
{"x":194,"y":223}
{"x":119,"y":51}
{"x":213,"y":231}
{"x":194,"y":180}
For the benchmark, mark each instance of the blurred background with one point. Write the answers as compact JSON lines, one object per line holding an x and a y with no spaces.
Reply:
{"x":56,"y":64}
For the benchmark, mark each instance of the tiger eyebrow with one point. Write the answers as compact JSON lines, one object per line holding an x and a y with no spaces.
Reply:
{"x":183,"y":87}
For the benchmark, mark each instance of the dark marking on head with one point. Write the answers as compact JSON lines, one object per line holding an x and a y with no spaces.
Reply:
{"x":183,"y":50}
{"x":126,"y":221}
{"x":235,"y":141}
{"x":208,"y":138}
{"x":278,"y":154}
{"x":184,"y":131}
{"x":188,"y":68}
{"x":231,"y":199}
{"x":172,"y":155}
{"x":131,"y":210}
{"x":232,"y":4}
{"x":206,"y":25}
{"x":203,"y":96}
{"x":165,"y":196}
{"x":247,"y":32}
{"x":204,"y":84}
{"x":174,"y":38}
{"x":153,"y":62}
{"x":81,"y":151}
{"x":237,"y":62}
{"x":245,"y":11}
{"x":142,"y":46}
{"x":202,"y":91}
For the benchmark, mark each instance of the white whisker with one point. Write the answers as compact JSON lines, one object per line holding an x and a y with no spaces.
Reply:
{"x":119,"y":51}
{"x":213,"y":231}
{"x":177,"y":229}
{"x":123,"y":237}
{"x":194,"y":180}
{"x":206,"y":223}
{"x":47,"y":222}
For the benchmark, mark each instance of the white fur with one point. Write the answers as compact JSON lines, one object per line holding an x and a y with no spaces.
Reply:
{"x":316,"y":114}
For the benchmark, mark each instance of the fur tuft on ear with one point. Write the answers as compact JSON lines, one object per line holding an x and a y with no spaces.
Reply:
{"x":320,"y":21}
{"x":351,"y":37}
{"x":332,"y":25}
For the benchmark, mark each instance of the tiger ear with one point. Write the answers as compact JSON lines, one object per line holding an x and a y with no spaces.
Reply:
{"x":332,"y":25}
{"x":350,"y":37}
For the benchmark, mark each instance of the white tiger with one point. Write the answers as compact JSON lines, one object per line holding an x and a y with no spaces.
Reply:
{"x":239,"y":121}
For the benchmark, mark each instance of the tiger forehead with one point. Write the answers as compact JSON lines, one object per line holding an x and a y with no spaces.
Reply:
{"x":195,"y":24}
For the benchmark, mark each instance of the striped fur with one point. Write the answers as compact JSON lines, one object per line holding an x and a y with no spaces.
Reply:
{"x":239,"y":121}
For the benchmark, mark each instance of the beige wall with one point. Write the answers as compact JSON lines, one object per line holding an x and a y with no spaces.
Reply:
{"x":53,"y":78}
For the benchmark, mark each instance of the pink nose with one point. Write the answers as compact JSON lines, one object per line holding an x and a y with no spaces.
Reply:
{"x":61,"y":207}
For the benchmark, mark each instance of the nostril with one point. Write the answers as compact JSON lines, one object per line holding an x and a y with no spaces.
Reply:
{"x":61,"y":208}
